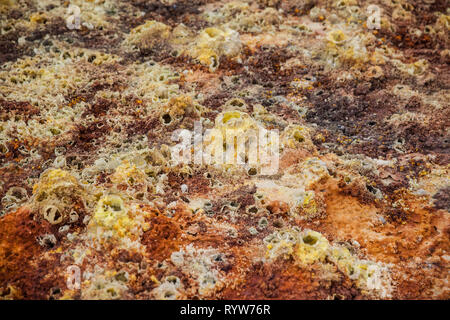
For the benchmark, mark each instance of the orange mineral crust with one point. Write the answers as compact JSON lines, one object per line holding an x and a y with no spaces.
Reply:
{"x":352,"y":98}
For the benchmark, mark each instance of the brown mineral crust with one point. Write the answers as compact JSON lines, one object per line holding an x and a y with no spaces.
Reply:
{"x":244,"y":196}
{"x":162,"y":238}
{"x":100,"y":108}
{"x":168,"y":234}
{"x":22,"y":265}
{"x":85,"y":137}
{"x":126,"y":256}
{"x":403,"y":37}
{"x":147,"y":125}
{"x":20,"y":109}
{"x":14,"y":177}
{"x":278,"y":207}
{"x":56,"y":26}
{"x":442,"y":199}
{"x":285,"y":280}
{"x":293,"y":157}
{"x":264,"y":69}
{"x":10,"y":50}
{"x":171,"y":14}
{"x":415,"y":282}
{"x":391,"y":242}
{"x":110,"y":79}
{"x":197,"y":183}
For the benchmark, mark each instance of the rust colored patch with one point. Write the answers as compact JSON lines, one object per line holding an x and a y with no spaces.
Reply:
{"x":19,"y":249}
{"x":284,"y":280}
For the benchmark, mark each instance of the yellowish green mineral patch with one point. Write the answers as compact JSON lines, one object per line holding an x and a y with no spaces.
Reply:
{"x":112,"y":214}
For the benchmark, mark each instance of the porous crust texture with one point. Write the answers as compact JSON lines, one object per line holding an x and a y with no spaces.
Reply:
{"x":359,"y":208}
